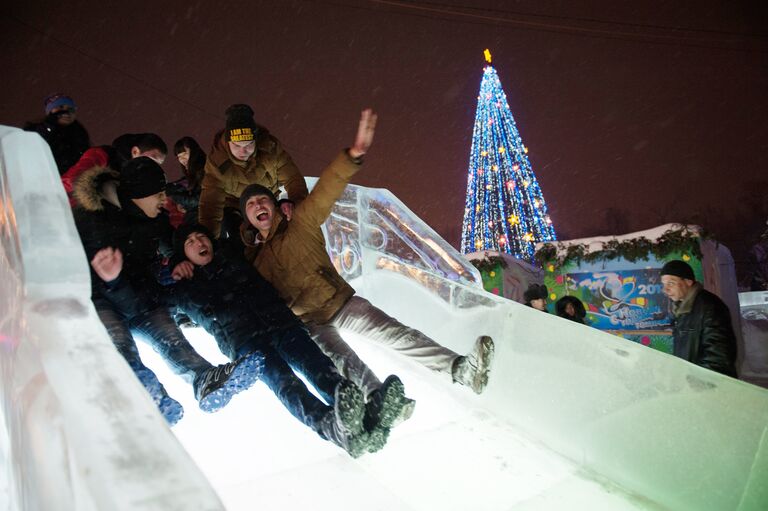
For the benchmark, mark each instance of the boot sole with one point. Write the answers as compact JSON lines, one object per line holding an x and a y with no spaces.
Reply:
{"x":171,"y":410}
{"x":377,"y":439}
{"x":395,"y":406}
{"x":243,"y":377}
{"x":349,"y":408}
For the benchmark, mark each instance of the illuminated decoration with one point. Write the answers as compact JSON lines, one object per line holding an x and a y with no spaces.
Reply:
{"x":505,"y":208}
{"x":509,"y":193}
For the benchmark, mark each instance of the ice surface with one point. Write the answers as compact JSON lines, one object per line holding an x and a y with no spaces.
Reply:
{"x":572,"y":418}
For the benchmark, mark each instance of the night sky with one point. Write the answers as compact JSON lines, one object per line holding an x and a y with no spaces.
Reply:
{"x":634,"y":114}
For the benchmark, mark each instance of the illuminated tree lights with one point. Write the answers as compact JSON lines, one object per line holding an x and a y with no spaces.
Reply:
{"x":504,"y":208}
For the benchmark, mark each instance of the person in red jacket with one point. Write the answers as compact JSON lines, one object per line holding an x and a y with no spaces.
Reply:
{"x":124,"y":147}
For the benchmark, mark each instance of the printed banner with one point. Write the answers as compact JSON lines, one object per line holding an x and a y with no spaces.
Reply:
{"x":622,"y":299}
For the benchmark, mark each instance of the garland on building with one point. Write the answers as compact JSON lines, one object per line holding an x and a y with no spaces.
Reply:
{"x":488,"y":263}
{"x":679,"y":240}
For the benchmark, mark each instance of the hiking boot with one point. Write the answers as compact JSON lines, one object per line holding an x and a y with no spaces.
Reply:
{"x":215,"y":387}
{"x":354,"y":444}
{"x":349,"y":407}
{"x":387,"y":406}
{"x":472,"y":370}
{"x":169,"y":407}
{"x":377,"y":439}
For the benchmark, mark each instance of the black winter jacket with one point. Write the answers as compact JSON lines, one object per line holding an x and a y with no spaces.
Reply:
{"x":704,"y":336}
{"x":234,"y":303}
{"x":102,"y":222}
{"x":67,"y":143}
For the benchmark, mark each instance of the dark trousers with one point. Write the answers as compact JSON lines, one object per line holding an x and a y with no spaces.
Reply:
{"x":160,"y":331}
{"x":293,"y":350}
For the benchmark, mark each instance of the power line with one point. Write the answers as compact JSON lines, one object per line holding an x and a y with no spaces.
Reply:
{"x":434,"y":10}
{"x":589,"y":20}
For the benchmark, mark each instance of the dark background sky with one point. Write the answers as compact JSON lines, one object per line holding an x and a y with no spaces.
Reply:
{"x":635,"y":113}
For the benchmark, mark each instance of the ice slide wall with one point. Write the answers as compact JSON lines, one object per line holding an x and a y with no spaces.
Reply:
{"x":78,"y":430}
{"x":79,"y":433}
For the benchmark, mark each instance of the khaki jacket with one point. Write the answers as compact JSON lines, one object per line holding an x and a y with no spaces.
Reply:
{"x":293,"y":257}
{"x":226,"y":178}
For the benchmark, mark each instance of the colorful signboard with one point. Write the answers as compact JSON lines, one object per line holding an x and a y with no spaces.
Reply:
{"x":621,"y":297}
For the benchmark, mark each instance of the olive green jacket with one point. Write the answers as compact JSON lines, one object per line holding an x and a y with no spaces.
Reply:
{"x":293,"y":256}
{"x":226,"y":178}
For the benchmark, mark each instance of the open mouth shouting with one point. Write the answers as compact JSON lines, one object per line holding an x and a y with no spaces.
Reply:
{"x":198,"y":248}
{"x":260,"y":210}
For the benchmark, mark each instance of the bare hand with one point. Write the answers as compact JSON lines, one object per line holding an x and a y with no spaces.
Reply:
{"x":108,"y":263}
{"x":183,"y":270}
{"x":286,"y":208}
{"x":365,"y":131}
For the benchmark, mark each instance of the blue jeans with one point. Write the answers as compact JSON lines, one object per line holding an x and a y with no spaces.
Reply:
{"x":160,"y":331}
{"x":293,"y":350}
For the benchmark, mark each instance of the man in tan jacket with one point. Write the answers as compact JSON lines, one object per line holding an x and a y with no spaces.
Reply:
{"x":292,"y":256}
{"x":244,"y":154}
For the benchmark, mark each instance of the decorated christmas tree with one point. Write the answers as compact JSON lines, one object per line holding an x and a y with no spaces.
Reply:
{"x":504,"y":209}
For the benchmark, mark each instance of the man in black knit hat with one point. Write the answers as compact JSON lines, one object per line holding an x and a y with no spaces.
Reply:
{"x":701,"y":322}
{"x":244,"y":154}
{"x":125,"y":232}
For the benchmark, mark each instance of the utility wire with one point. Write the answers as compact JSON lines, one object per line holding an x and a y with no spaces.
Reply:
{"x":579,"y":18}
{"x":435,"y":11}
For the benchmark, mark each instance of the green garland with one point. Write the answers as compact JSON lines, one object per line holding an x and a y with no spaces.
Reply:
{"x":486,"y":264}
{"x":680,"y":240}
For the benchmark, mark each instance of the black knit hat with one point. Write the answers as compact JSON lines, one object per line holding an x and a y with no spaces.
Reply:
{"x":535,"y":292}
{"x":181,"y":234}
{"x":141,"y":177}
{"x":252,"y":190}
{"x":678,"y":268}
{"x":240,"y":125}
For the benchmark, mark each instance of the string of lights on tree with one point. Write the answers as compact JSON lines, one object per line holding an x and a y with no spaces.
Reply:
{"x":504,"y":208}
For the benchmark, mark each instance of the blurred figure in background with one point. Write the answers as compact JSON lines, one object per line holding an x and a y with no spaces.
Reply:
{"x":184,"y":193}
{"x":536,"y":296}
{"x":570,"y":307}
{"x":67,"y":138}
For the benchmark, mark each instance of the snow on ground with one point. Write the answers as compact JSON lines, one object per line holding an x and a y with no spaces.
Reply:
{"x":451,"y":455}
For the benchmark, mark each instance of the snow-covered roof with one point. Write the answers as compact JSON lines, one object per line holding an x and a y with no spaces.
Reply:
{"x":595,"y":244}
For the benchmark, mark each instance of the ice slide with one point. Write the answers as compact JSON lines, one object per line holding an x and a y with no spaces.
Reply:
{"x":572,"y":419}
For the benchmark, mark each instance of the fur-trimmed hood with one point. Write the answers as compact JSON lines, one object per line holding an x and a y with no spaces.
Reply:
{"x":94,"y":186}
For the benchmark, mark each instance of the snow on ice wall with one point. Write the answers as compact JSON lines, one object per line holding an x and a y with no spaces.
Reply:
{"x":671,"y":435}
{"x":79,"y":432}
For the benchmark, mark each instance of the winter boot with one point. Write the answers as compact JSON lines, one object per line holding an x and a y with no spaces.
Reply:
{"x":387,"y":406}
{"x":215,"y":387}
{"x":472,"y":370}
{"x":355,"y":444}
{"x":169,"y":407}
{"x":349,"y":408}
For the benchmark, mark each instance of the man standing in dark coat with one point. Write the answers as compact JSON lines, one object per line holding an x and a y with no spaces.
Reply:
{"x":67,"y":138}
{"x":703,"y":334}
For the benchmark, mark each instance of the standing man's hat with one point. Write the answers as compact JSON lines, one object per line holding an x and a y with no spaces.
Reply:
{"x":240,"y":125}
{"x":678,"y":268}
